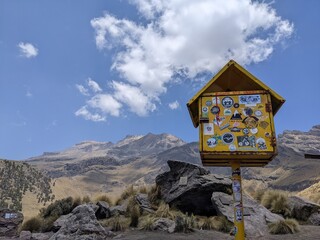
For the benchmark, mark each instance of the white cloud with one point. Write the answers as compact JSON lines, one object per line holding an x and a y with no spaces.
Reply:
{"x":94,"y":86}
{"x":83,"y":112}
{"x":182,"y":39}
{"x":132,"y":96}
{"x":105,"y":103}
{"x":174,"y":105}
{"x":28,"y":50}
{"x":82,"y":90}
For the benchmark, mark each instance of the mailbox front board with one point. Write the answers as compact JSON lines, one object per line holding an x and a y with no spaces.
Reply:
{"x":236,"y":126}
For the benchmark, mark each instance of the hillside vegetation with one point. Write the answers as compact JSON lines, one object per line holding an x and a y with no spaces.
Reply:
{"x":16,"y":179}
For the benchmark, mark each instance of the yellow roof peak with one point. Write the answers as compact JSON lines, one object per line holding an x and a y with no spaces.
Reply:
{"x":232,"y":77}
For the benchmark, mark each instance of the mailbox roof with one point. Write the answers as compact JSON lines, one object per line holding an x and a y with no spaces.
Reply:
{"x":232,"y":77}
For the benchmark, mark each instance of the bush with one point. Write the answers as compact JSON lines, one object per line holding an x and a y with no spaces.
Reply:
{"x":184,"y":223}
{"x":276,"y":201}
{"x":58,"y":208}
{"x":284,"y":227}
{"x":33,"y":225}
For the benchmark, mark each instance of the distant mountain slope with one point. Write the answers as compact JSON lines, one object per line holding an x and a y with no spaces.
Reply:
{"x":138,"y":159}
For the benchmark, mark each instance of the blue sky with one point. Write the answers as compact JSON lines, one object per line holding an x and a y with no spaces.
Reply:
{"x":80,"y":70}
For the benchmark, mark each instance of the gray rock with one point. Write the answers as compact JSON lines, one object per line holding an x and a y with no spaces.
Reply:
{"x":189,"y":187}
{"x":10,"y":221}
{"x":164,"y":224}
{"x":117,"y":210}
{"x":61,"y":221}
{"x":314,"y":219}
{"x":81,"y":223}
{"x":144,"y":203}
{"x":41,"y":236}
{"x":103,"y":210}
{"x":302,"y":209}
{"x":25,"y":235}
{"x":255,"y":215}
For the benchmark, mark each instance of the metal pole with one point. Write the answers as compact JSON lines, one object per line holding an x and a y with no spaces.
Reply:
{"x":237,"y":201}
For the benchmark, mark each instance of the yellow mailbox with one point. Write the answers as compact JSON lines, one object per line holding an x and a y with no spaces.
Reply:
{"x":234,"y":112}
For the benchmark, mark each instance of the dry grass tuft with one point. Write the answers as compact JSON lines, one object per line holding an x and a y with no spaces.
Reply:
{"x":86,"y":199}
{"x":164,"y":211}
{"x":284,"y":227}
{"x":154,"y":195}
{"x":117,"y":223}
{"x":185,"y":223}
{"x":276,"y":201}
{"x":147,"y":222}
{"x":103,"y":198}
{"x":143,"y":189}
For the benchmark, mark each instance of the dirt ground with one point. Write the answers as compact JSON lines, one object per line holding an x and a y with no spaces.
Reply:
{"x":307,"y":233}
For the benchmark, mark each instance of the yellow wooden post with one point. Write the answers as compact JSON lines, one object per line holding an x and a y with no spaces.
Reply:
{"x":237,"y":201}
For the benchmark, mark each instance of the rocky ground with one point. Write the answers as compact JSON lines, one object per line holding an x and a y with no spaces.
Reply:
{"x":307,"y":232}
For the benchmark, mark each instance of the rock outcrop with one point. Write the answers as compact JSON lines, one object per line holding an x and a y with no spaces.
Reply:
{"x":189,"y":187}
{"x":256,"y":216}
{"x":304,"y":210}
{"x":81,"y":224}
{"x":10,"y":221}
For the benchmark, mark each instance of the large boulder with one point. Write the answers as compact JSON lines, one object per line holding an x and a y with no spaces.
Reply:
{"x":255,"y":215}
{"x":189,"y":187}
{"x":302,"y":209}
{"x":10,"y":221}
{"x":81,"y":224}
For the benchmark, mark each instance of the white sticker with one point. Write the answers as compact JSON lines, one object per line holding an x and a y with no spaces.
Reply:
{"x":208,"y":129}
{"x":249,"y":100}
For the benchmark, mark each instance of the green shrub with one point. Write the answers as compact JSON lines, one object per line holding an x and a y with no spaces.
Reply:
{"x":58,"y":208}
{"x":284,"y":227}
{"x":76,"y":202}
{"x":33,"y":225}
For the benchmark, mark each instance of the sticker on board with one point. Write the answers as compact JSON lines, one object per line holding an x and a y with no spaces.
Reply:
{"x":227,"y":102}
{"x":250,"y":100}
{"x":228,"y":138}
{"x":208,"y":129}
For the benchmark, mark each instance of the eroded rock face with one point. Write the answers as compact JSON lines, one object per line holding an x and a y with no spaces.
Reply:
{"x":189,"y":187}
{"x":81,"y":223}
{"x":164,"y":224}
{"x":256,"y":216}
{"x":10,"y":221}
{"x":144,"y":203}
{"x":103,"y":211}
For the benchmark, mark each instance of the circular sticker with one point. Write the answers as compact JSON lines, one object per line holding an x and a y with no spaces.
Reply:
{"x":261,"y":143}
{"x":268,"y":135}
{"x":232,"y":147}
{"x":215,"y":110}
{"x":258,"y":113}
{"x":254,"y":130}
{"x":248,"y":111}
{"x":212,"y":142}
{"x":236,"y":105}
{"x":245,"y":131}
{"x":227,"y":102}
{"x":204,"y":109}
{"x":208,"y":103}
{"x":228,"y":138}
